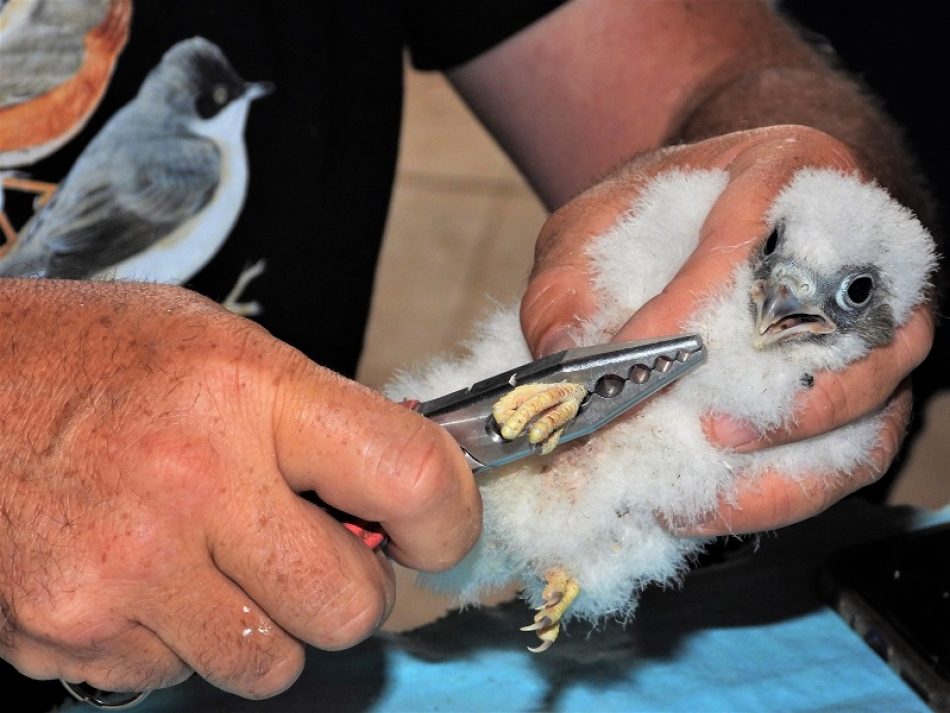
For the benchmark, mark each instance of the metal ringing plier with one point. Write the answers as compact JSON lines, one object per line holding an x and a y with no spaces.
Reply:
{"x":616,"y":377}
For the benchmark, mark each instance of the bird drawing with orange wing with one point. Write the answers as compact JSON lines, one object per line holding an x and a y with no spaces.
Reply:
{"x":57,"y":57}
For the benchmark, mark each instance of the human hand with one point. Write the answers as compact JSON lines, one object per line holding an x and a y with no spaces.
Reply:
{"x":152,"y":449}
{"x":759,"y":163}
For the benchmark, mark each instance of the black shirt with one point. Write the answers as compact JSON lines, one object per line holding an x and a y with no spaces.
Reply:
{"x":321,"y":151}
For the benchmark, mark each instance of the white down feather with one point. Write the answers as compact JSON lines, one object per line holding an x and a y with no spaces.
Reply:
{"x":591,"y":506}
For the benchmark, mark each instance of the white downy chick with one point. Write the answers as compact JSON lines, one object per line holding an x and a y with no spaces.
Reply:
{"x":842,"y":267}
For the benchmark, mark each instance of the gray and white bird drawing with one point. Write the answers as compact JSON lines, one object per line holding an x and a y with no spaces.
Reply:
{"x":156,"y":192}
{"x":842,"y":268}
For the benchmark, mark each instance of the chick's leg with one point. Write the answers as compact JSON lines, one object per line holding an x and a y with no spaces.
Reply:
{"x":543,"y":409}
{"x":561,"y":590}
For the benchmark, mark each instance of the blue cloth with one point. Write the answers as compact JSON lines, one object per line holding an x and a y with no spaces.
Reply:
{"x":746,"y":633}
{"x":808,"y":663}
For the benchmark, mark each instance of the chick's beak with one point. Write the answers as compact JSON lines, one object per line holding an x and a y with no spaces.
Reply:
{"x":782,"y":311}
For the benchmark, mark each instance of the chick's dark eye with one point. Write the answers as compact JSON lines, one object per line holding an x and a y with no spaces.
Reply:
{"x":856,"y":291}
{"x":860,"y":290}
{"x":771,"y":243}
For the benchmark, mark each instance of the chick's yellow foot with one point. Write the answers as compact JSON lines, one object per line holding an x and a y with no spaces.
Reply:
{"x":561,"y":590}
{"x":544,"y":409}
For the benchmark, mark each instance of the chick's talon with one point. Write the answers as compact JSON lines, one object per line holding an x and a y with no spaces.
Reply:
{"x":560,"y":591}
{"x":551,"y":443}
{"x":543,"y":409}
{"x":548,"y":636}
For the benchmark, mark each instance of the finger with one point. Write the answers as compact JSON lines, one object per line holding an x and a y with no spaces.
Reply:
{"x":380,"y":461}
{"x":759,"y":162}
{"x":135,"y":660}
{"x":554,"y":305}
{"x":773,"y":500}
{"x":838,"y":398}
{"x":315,"y":579}
{"x":558,"y":297}
{"x":733,"y":229}
{"x":223,"y":634}
{"x":140,"y":662}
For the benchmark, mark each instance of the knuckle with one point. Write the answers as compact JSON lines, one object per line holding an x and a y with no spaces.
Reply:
{"x":810,"y":496}
{"x":554,"y":277}
{"x":891,"y":440}
{"x":576,"y":217}
{"x":235,"y":356}
{"x":828,"y":146}
{"x":824,"y":497}
{"x":176,"y":471}
{"x":135,"y":675}
{"x":450,"y":554}
{"x":259,"y":667}
{"x":550,"y":234}
{"x":914,"y":340}
{"x":536,"y":306}
{"x":420,"y":474}
{"x":783,"y":507}
{"x":429,"y":483}
{"x":796,"y":145}
{"x":267,"y":672}
{"x":802,"y":132}
{"x":553,"y":301}
{"x":891,"y":434}
{"x":357,"y":612}
{"x":279,"y":675}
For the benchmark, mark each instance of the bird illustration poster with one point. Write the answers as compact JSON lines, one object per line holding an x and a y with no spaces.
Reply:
{"x":320,"y":156}
{"x":157,"y":191}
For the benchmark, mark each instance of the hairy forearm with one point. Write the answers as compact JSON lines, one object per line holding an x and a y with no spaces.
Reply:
{"x":820,"y":97}
{"x":597,"y":83}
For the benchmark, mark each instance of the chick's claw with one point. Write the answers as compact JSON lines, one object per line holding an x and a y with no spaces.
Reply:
{"x":544,"y":409}
{"x":561,"y":590}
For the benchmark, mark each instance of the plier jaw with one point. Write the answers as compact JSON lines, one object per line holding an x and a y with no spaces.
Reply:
{"x":616,"y":377}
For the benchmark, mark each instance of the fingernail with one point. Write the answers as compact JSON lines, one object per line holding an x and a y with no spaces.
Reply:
{"x":731,"y":433}
{"x":555,"y":343}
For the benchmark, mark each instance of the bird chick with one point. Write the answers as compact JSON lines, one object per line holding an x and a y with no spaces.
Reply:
{"x":155,"y":194}
{"x":841,"y":268}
